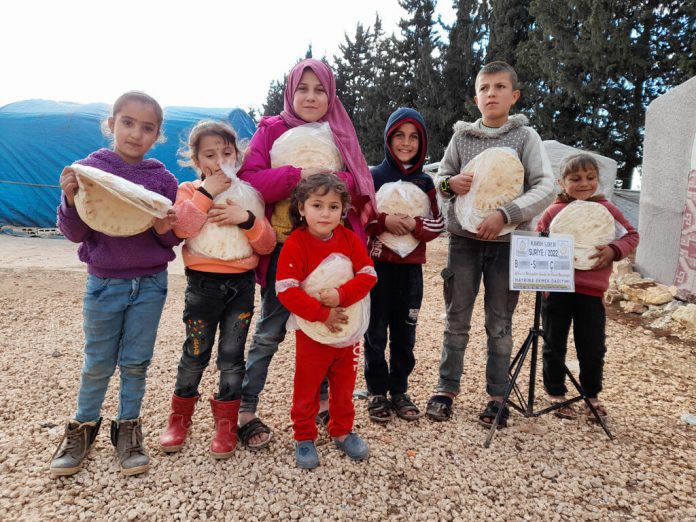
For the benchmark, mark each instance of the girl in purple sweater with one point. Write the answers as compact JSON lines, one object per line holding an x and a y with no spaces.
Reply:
{"x":126,"y":290}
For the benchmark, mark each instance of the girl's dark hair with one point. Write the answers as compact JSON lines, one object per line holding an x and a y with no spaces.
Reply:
{"x":321,"y":183}
{"x":141,"y":97}
{"x":189,"y":151}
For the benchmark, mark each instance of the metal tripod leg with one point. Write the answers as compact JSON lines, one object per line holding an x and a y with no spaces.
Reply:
{"x":532,"y":341}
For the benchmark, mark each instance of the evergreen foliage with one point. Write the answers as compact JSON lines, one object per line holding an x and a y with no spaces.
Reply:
{"x":588,"y":68}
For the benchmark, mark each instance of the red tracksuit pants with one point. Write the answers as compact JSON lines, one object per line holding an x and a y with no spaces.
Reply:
{"x":314,"y":361}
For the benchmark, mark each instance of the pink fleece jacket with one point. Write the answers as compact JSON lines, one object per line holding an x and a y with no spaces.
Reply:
{"x":277,"y":184}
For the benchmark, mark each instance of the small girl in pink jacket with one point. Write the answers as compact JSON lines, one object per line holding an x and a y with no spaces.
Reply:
{"x":585,"y":307}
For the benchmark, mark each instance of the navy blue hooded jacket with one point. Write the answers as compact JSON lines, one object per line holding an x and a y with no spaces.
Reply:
{"x":392,"y":170}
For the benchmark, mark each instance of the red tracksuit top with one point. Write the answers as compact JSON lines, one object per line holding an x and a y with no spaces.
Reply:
{"x":302,"y":253}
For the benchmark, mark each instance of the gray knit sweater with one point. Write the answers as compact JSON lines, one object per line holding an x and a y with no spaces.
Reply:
{"x":469,"y":140}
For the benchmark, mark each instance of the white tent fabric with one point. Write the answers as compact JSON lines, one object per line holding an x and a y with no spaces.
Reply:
{"x":667,"y":249}
{"x":607,"y":166}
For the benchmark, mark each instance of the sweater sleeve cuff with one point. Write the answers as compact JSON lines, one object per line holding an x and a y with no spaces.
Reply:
{"x":617,"y":252}
{"x":201,"y":201}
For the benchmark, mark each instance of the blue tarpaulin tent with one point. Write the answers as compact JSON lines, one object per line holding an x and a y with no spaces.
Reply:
{"x":39,"y":137}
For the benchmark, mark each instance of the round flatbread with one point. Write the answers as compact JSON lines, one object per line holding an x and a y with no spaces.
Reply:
{"x":402,"y":197}
{"x":115,"y":206}
{"x":498,"y":179}
{"x":229,"y":242}
{"x":590,"y":224}
{"x":307,"y":146}
{"x":332,"y":273}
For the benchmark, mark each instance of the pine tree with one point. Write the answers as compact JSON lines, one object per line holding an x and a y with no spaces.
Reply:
{"x":508,"y":28}
{"x":380,"y":97}
{"x":598,"y":64}
{"x":463,"y":58}
{"x":275,"y":99}
{"x":420,"y":52}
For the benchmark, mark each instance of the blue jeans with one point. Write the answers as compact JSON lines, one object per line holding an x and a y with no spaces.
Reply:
{"x":470,"y":260}
{"x":211,"y":301}
{"x":121,"y":317}
{"x":270,"y":332}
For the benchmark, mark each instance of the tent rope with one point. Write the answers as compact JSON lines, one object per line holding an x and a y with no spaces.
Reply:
{"x":28,"y":184}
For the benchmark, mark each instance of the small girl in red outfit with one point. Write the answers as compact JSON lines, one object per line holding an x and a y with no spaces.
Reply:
{"x":318,"y":204}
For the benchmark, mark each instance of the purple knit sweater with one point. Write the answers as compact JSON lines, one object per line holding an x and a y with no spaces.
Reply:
{"x":144,"y":254}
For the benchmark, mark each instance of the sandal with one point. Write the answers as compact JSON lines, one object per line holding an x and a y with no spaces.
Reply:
{"x":439,"y":408}
{"x":322,"y":418}
{"x":379,"y":408}
{"x":601,"y":411}
{"x":252,"y":428}
{"x":564,"y":412}
{"x":487,"y":416}
{"x":403,"y":406}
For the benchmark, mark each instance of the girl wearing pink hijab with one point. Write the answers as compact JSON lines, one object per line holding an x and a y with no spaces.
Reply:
{"x":310,"y":96}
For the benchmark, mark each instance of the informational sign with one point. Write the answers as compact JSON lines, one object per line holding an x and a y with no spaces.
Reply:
{"x":541,"y":263}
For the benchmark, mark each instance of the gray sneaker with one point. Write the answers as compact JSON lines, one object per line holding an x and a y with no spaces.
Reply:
{"x":353,"y":446}
{"x":127,"y":438}
{"x":73,"y":447}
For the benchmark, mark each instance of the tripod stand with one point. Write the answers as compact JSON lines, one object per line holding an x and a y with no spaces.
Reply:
{"x":527,"y":409}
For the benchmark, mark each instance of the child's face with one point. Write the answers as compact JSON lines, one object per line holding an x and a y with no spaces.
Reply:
{"x":494,"y":97}
{"x":310,"y":100}
{"x":322,"y":213}
{"x":404,"y":142}
{"x":581,"y":184}
{"x":135,"y":128}
{"x":214,"y":151}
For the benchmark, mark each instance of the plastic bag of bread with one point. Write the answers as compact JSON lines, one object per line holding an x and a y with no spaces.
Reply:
{"x":590,"y":224}
{"x":229,"y":242}
{"x":402,"y":197}
{"x":498,"y":179}
{"x":115,"y":206}
{"x":332,"y":272}
{"x":307,"y":146}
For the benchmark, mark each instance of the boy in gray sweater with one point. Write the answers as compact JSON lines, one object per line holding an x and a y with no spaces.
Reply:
{"x":485,"y":255}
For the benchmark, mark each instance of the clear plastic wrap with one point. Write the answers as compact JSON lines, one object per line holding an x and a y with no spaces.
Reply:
{"x":307,"y":146}
{"x":590,"y":224}
{"x":402,"y":197}
{"x":498,"y":179}
{"x":332,"y":272}
{"x":229,"y":242}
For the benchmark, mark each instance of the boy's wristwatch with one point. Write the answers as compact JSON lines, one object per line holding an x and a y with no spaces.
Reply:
{"x":445,"y":186}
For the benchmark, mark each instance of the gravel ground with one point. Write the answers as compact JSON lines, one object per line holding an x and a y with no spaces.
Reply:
{"x":538,"y":468}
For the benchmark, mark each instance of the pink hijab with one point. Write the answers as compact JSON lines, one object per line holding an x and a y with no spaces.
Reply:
{"x":341,"y":127}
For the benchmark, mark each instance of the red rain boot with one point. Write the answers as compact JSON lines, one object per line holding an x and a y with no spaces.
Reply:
{"x":172,"y":439}
{"x":225,"y":439}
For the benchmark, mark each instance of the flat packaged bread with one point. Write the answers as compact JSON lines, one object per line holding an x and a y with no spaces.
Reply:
{"x":402,"y":197}
{"x":332,"y":272}
{"x":498,"y":179}
{"x":115,"y":206}
{"x":590,"y":224}
{"x":307,"y":146}
{"x":228,"y":242}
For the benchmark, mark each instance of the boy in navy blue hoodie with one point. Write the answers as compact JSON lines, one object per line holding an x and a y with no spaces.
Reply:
{"x":397,"y":296}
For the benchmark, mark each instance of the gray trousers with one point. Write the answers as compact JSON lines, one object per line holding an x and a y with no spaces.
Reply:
{"x":468,"y":262}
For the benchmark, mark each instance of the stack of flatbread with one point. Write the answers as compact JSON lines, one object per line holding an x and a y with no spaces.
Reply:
{"x":590,"y":224}
{"x":307,"y":146}
{"x":332,"y":272}
{"x":115,"y":206}
{"x":229,"y":242}
{"x":402,"y":197}
{"x":498,"y":179}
